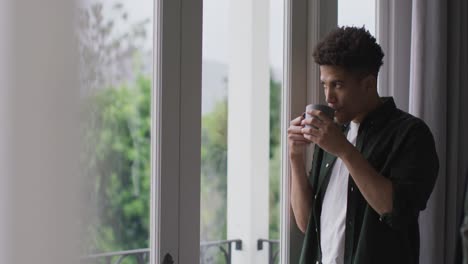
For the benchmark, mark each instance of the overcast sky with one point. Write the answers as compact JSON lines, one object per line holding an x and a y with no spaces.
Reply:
{"x":215,"y":35}
{"x":357,"y":13}
{"x":215,"y":23}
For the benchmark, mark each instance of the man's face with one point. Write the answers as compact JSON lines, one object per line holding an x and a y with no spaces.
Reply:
{"x":344,"y":92}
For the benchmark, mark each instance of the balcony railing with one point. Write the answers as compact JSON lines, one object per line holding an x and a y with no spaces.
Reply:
{"x":273,"y":249}
{"x":141,"y":256}
{"x":224,"y":247}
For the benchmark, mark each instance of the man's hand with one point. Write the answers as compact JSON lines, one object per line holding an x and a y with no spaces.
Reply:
{"x":296,"y":140}
{"x":376,"y":189}
{"x":325,"y":133}
{"x":301,"y":191}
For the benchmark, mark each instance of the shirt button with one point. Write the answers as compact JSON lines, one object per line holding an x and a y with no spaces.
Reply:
{"x":352,"y":188}
{"x":326,"y":165}
{"x":315,"y":197}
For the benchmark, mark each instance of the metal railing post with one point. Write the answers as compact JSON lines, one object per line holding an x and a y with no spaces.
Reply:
{"x":141,"y":255}
{"x":272,"y":255}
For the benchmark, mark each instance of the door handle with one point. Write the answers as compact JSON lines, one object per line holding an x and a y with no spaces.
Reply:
{"x":168,"y":259}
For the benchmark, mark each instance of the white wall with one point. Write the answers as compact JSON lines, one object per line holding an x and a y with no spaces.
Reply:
{"x":4,"y":7}
{"x":39,"y":132}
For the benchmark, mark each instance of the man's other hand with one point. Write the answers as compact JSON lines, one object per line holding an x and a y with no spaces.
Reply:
{"x":296,"y":140}
{"x":324,"y":132}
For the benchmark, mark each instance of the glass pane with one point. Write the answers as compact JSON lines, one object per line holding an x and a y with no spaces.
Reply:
{"x":240,"y":174}
{"x":357,"y":13}
{"x":115,"y":41}
{"x":276,"y":80}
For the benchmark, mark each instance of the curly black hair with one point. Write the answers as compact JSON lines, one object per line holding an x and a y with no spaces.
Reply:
{"x":352,"y":48}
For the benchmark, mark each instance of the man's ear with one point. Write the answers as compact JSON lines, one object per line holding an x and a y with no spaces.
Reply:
{"x":369,"y":82}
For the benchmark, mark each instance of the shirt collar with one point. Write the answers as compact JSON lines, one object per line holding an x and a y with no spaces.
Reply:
{"x":379,"y":116}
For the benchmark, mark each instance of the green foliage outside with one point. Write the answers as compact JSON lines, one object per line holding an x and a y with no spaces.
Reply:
{"x":118,"y":162}
{"x":116,"y":153}
{"x":275,"y":158}
{"x":214,"y":168}
{"x":118,"y":135}
{"x":213,"y":225}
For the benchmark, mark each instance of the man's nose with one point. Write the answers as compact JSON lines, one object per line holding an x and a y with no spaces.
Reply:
{"x":330,"y":96}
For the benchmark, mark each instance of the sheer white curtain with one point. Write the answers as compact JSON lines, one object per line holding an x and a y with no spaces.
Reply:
{"x":426,"y":71}
{"x":393,"y":27}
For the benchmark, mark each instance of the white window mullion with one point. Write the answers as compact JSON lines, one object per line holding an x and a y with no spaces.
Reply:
{"x":305,"y":23}
{"x":293,"y":100}
{"x":175,"y":149}
{"x":190,"y":131}
{"x":322,"y":18}
{"x":165,"y":132}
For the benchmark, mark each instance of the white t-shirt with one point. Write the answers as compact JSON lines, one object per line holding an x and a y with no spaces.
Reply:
{"x":333,"y":217}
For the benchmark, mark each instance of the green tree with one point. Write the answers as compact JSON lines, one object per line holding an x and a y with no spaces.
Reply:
{"x":105,"y":54}
{"x":214,"y":173}
{"x":118,"y":167}
{"x":116,"y":131}
{"x":117,"y":158}
{"x":275,"y":157}
{"x":214,"y":168}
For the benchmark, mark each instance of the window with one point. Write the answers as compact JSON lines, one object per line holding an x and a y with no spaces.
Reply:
{"x":116,"y":87}
{"x":240,"y":140}
{"x":219,"y":101}
{"x":357,"y":13}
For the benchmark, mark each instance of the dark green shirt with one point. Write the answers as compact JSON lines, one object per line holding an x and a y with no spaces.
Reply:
{"x":401,"y":148}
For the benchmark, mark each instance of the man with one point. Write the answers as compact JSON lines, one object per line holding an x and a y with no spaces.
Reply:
{"x":374,"y":166}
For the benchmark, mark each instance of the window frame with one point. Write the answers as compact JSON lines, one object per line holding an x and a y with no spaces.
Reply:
{"x":175,"y":131}
{"x":176,"y":120}
{"x":306,"y":22}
